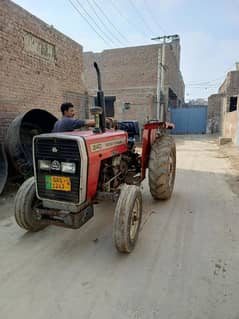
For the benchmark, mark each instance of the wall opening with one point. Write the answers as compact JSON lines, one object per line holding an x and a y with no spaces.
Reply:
{"x":172,"y":99}
{"x":233,"y":104}
{"x":109,"y":105}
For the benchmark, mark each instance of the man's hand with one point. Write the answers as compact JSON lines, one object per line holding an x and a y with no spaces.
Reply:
{"x":90,"y":122}
{"x":109,"y":122}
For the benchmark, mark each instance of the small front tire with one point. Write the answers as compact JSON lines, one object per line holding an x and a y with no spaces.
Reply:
{"x":127,"y":218}
{"x":24,"y":208}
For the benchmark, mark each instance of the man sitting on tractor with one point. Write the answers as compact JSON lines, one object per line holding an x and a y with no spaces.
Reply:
{"x":68,"y":123}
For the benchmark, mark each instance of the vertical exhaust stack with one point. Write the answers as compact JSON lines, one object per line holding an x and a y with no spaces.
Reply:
{"x":100,"y":99}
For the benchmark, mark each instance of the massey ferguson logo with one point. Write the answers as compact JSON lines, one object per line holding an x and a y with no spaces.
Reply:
{"x":56,"y":166}
{"x":108,"y":144}
{"x":54,"y":149}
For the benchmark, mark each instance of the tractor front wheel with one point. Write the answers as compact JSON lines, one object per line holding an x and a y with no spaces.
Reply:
{"x":25,"y":205}
{"x":162,"y":167}
{"x":127,"y":218}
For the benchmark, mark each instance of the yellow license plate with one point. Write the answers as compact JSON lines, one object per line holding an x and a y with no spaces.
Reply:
{"x":58,"y":183}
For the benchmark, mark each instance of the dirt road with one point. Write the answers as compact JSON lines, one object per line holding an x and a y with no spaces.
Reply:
{"x":185,"y":265}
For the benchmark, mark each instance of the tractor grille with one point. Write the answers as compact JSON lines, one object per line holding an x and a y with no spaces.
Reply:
{"x":66,"y":149}
{"x":60,"y":150}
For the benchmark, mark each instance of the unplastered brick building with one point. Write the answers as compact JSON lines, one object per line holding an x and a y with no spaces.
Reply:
{"x":223,"y":107}
{"x":39,"y":66}
{"x":131,"y":76}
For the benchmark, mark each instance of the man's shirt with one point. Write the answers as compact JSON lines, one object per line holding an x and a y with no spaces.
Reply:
{"x":67,"y":124}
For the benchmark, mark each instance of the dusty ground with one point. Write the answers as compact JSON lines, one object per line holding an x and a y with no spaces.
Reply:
{"x":185,"y":265}
{"x":7,"y":199}
{"x":231,"y":152}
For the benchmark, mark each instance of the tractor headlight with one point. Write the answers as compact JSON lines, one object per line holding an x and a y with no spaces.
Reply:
{"x":68,"y":167}
{"x":44,"y":165}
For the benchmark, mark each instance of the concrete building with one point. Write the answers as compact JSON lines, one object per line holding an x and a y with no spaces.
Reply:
{"x":39,"y":66}
{"x":131,"y":75}
{"x":223,"y":107}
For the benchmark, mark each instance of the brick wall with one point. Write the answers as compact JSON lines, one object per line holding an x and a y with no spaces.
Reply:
{"x":230,"y":125}
{"x":231,"y":84}
{"x":39,"y":66}
{"x":214,"y":115}
{"x":219,"y":117}
{"x":130,"y":74}
{"x":230,"y":120}
{"x":173,"y":77}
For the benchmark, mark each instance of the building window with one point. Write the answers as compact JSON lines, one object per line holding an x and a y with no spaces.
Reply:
{"x":109,"y":105}
{"x":233,"y":104}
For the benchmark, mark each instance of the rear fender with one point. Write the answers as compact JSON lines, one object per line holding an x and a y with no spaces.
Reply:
{"x":150,"y":133}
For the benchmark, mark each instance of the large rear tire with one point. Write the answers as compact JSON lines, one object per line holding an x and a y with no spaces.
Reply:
{"x":127,"y":218}
{"x":25,"y":203}
{"x":162,"y":167}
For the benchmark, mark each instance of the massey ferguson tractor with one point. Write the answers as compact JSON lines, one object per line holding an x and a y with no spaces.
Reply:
{"x":75,"y":170}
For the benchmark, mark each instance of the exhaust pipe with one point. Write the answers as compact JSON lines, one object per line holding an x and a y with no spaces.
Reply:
{"x":100,"y":99}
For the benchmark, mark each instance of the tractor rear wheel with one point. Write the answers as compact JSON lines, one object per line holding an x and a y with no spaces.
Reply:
{"x":25,"y":205}
{"x":127,"y":218}
{"x":162,"y":167}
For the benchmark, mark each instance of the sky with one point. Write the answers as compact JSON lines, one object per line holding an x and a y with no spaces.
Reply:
{"x":208,"y":30}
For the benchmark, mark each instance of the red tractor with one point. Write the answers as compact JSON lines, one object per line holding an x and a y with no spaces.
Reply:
{"x":74,"y":170}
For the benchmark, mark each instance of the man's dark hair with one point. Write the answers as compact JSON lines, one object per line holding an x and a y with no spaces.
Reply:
{"x":66,"y":106}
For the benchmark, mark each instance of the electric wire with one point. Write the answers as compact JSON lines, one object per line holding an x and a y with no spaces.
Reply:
{"x":92,"y":19}
{"x":204,"y":84}
{"x":137,"y":11}
{"x":86,"y":20}
{"x":102,"y":21}
{"x":210,"y":81}
{"x":203,"y":88}
{"x":153,"y":16}
{"x":126,"y":18}
{"x":116,"y":29}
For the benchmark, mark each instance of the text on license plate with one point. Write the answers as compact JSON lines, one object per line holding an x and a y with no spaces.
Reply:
{"x":59,"y":183}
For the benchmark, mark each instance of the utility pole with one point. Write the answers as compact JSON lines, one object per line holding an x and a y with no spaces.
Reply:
{"x":160,"y":109}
